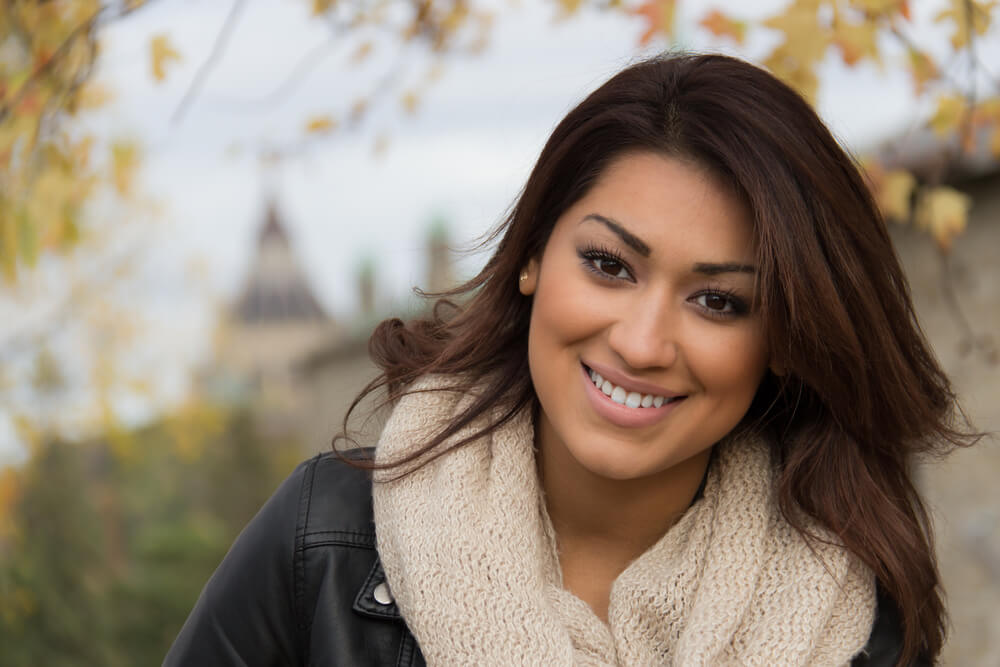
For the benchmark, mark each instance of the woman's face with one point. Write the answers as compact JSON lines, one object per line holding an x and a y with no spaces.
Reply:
{"x":646,"y":282}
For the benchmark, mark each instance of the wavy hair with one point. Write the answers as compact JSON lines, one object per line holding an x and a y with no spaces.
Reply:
{"x":860,"y":393}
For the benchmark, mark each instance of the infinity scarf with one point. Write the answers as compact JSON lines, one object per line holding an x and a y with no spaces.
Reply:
{"x":470,"y":556}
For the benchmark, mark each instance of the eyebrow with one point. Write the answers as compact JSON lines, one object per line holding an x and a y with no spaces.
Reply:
{"x":630,"y":239}
{"x":637,"y":244}
{"x":725,"y":267}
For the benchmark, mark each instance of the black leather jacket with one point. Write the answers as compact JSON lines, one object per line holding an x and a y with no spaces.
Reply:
{"x":303,"y":585}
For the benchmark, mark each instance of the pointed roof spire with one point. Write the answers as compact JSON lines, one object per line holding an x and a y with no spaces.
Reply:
{"x":276,"y":289}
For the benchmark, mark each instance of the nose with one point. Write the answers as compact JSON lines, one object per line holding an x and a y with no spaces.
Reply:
{"x":645,"y":334}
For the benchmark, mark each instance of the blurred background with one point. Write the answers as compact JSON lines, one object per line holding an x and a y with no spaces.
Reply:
{"x":206,"y":206}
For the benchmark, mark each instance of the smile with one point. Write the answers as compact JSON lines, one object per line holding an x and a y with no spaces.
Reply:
{"x":630,"y":399}
{"x":623,"y":405}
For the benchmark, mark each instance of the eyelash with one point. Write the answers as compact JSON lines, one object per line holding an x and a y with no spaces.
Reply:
{"x":591,"y":254}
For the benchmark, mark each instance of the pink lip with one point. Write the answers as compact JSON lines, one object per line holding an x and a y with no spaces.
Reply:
{"x":618,"y":414}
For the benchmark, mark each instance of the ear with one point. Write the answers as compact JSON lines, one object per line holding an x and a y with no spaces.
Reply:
{"x":528,"y":280}
{"x":777,"y":369}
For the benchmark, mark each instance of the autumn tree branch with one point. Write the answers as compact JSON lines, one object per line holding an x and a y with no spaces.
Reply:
{"x":218,"y":48}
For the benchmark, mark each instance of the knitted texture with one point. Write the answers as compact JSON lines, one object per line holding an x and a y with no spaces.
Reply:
{"x":470,"y":556}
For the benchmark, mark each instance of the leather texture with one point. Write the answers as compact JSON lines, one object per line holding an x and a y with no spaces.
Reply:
{"x":303,"y":585}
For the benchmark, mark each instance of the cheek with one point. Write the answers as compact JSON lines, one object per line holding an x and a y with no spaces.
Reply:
{"x":730,"y":361}
{"x":564,"y":311}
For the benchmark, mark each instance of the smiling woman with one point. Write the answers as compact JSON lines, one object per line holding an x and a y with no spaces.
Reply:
{"x":673,"y":421}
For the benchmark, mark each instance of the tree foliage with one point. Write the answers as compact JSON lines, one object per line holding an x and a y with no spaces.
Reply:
{"x":103,"y":556}
{"x":50,"y":169}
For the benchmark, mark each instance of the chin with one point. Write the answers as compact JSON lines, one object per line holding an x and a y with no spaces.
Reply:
{"x":621,"y":463}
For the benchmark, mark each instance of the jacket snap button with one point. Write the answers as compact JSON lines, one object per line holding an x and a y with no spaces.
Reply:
{"x":382,"y":594}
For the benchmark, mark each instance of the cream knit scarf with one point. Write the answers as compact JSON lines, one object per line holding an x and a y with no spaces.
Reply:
{"x":470,"y":557}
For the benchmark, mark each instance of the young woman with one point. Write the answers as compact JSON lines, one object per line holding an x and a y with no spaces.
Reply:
{"x":672,"y":422}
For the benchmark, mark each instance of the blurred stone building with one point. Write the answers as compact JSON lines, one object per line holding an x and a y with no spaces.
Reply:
{"x":275,"y":321}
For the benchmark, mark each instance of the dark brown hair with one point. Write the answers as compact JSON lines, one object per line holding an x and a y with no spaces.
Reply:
{"x":860,"y":393}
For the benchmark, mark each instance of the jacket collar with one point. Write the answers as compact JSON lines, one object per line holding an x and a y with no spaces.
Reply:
{"x":374,"y":599}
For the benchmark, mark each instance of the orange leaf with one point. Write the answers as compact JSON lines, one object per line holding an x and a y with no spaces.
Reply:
{"x":856,"y":41}
{"x":659,"y":18}
{"x":721,"y":25}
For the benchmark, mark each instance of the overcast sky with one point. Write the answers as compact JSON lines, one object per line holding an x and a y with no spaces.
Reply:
{"x":463,"y":155}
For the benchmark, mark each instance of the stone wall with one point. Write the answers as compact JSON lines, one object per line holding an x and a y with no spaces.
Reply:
{"x":964,"y":490}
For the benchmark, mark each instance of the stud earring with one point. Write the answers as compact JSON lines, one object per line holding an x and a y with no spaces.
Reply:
{"x":524,"y":275}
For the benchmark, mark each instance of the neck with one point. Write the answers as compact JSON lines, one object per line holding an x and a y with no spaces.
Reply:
{"x":627,"y":516}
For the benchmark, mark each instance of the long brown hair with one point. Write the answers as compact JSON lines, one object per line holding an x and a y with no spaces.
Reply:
{"x":859,"y":393}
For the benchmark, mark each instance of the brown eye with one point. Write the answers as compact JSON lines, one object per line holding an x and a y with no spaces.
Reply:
{"x":611,"y":267}
{"x":716,"y":302}
{"x":720,"y":304}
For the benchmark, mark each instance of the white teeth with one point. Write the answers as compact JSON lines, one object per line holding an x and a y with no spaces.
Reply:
{"x":620,"y":395}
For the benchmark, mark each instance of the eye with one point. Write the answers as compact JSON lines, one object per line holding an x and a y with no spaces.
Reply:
{"x":605,"y":263}
{"x":612,"y":267}
{"x":720,"y":304}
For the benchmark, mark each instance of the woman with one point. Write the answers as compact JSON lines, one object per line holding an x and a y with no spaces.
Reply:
{"x":673,"y":422}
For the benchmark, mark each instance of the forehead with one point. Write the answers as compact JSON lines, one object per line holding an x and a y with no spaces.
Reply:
{"x":676,"y":207}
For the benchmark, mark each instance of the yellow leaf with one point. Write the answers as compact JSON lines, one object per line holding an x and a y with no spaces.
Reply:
{"x":10,"y":489}
{"x":856,"y":41}
{"x":321,"y":124}
{"x":948,"y":115}
{"x":93,"y":95}
{"x":875,"y":8}
{"x":894,"y":194}
{"x":161,"y":52}
{"x":124,"y":161}
{"x":568,"y":6}
{"x":922,"y":69}
{"x":796,"y":73}
{"x":944,"y":212}
{"x":962,"y":13}
{"x":721,"y":25}
{"x":363,"y":51}
{"x":410,"y":101}
{"x":8,"y":242}
{"x":658,"y":15}
{"x":321,"y":6}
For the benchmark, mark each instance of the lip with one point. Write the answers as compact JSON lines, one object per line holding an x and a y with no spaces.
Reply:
{"x":618,"y":414}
